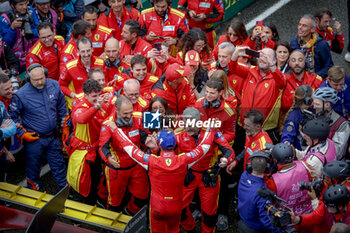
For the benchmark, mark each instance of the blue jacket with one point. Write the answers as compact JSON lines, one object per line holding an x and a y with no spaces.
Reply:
{"x":342,"y":107}
{"x":251,"y":205}
{"x":39,"y":109}
{"x":9,"y":35}
{"x":323,"y":57}
{"x":72,"y":11}
{"x":7,"y":131}
{"x":291,"y":129}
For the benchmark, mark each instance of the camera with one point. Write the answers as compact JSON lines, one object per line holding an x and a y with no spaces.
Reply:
{"x":27,"y":28}
{"x":317,"y":184}
{"x":281,"y":216}
{"x":280,"y":213}
{"x":12,"y":73}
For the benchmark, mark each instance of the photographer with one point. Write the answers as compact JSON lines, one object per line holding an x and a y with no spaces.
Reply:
{"x":335,"y":208}
{"x":9,"y":64}
{"x":323,"y":98}
{"x":251,"y":206}
{"x":320,"y":150}
{"x":289,"y":173}
{"x":335,"y":172}
{"x":18,"y":29}
{"x":8,"y":58}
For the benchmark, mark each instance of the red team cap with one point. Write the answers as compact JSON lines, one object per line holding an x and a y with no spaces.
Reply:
{"x":176,"y":71}
{"x":192,"y":58}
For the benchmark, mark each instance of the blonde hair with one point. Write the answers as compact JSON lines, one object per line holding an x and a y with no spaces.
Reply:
{"x":228,"y":91}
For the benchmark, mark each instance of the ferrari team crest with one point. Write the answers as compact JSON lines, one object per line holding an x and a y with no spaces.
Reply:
{"x":168,"y":162}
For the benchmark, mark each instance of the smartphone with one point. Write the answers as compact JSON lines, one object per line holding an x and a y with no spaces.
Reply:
{"x":259,"y":25}
{"x":252,"y":52}
{"x":158,"y":46}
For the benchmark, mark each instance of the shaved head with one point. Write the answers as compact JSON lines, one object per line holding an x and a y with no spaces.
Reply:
{"x":112,"y":49}
{"x":112,"y":42}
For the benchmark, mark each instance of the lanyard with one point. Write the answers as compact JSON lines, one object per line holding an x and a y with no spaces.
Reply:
{"x":44,"y":19}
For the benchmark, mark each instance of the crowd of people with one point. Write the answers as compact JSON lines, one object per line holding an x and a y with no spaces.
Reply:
{"x":278,"y":111}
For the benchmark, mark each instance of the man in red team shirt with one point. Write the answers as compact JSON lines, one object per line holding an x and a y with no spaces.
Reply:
{"x":138,"y":70}
{"x":334,"y":37}
{"x":262,"y":89}
{"x":80,"y":29}
{"x":84,"y":165}
{"x":175,"y":89}
{"x":299,"y":76}
{"x":226,"y":50}
{"x":46,"y":51}
{"x":99,"y":33}
{"x":166,"y":196}
{"x":162,"y":23}
{"x":203,"y":15}
{"x":132,"y":44}
{"x":121,"y":171}
{"x":116,"y":17}
{"x":71,"y":81}
{"x":112,"y":63}
{"x":256,"y":137}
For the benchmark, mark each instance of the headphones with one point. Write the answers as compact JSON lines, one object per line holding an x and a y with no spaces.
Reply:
{"x":116,"y":63}
{"x":168,"y":1}
{"x":32,"y":67}
{"x":307,"y":99}
{"x":214,"y":104}
{"x":225,"y":69}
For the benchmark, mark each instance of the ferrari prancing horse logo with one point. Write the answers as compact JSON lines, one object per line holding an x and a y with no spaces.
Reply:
{"x":168,"y":162}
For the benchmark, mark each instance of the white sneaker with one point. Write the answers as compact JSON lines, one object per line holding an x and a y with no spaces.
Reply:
{"x":347,"y":57}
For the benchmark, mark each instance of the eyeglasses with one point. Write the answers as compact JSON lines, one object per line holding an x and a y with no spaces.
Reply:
{"x":46,"y":37}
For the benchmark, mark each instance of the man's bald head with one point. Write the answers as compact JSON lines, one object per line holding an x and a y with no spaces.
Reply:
{"x":269,"y":52}
{"x":297,"y":62}
{"x":112,"y":42}
{"x":112,"y":49}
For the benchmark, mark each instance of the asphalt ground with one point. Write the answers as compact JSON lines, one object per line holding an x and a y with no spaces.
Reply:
{"x":286,"y":20}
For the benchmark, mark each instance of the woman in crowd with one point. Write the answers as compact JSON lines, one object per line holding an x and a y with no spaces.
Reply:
{"x":259,"y":39}
{"x":283,"y":51}
{"x":195,"y":39}
{"x":198,"y":77}
{"x":235,"y":33}
{"x":160,"y":104}
{"x":271,"y":31}
{"x":159,"y":60}
{"x":302,"y":101}
{"x":229,"y":93}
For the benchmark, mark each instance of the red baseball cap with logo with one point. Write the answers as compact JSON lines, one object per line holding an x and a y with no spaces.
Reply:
{"x":192,"y":58}
{"x":176,"y":71}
